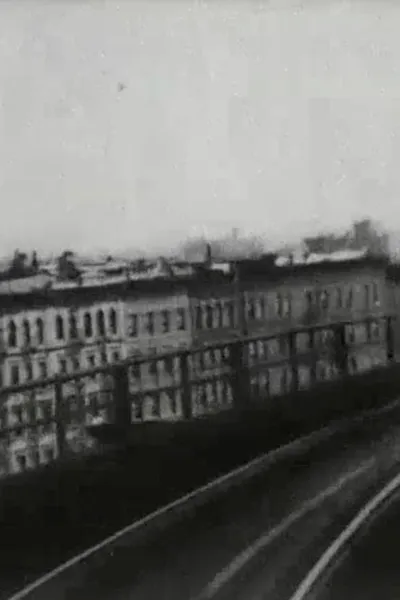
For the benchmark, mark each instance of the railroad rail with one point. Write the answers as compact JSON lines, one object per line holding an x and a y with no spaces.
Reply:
{"x":347,"y":477}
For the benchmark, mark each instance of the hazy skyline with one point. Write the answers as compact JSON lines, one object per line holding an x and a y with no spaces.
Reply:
{"x":141,"y":123}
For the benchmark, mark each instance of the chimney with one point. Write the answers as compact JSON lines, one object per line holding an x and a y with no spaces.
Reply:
{"x":35,"y":261}
{"x":208,"y":255}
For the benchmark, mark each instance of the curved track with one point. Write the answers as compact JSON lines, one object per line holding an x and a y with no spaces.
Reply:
{"x":248,"y":538}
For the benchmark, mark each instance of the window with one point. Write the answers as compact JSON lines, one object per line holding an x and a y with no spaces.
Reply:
{"x":230,"y":309}
{"x":136,"y":371}
{"x":251,"y":313}
{"x":201,"y":361}
{"x":198,"y":317}
{"x":309,"y":300}
{"x":349,"y":302}
{"x":375,"y":330}
{"x":76,"y":364}
{"x":103,"y":357}
{"x":21,"y":462}
{"x":150,"y":323}
{"x":219,"y":314}
{"x":73,"y":327}
{"x":366,"y":296}
{"x":261,"y":307}
{"x":62,"y":366}
{"x":253,"y":350}
{"x":180,"y":319}
{"x":324,"y":301}
{"x":91,"y":361}
{"x":113,"y":321}
{"x":279,"y":305}
{"x":87,"y":323}
{"x":12,"y":334}
{"x":26,"y":329}
{"x":14,"y":375}
{"x":174,"y":404}
{"x":155,"y":407}
{"x":43,"y":369}
{"x":36,"y":457}
{"x":339,"y":298}
{"x":18,"y":413}
{"x":164,"y":321}
{"x":168,"y":364}
{"x":115,"y":356}
{"x":209,"y":316}
{"x":40,"y":331}
{"x":286,"y":307}
{"x":153,"y":367}
{"x":375,"y":293}
{"x":282,"y":344}
{"x":48,"y":454}
{"x":59,"y":328}
{"x":368,"y":329}
{"x":29,"y":371}
{"x":133,"y":325}
{"x":93,"y":403}
{"x":47,"y":411}
{"x":101,"y":328}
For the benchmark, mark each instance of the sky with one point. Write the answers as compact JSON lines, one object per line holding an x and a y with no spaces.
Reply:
{"x":139,"y":124}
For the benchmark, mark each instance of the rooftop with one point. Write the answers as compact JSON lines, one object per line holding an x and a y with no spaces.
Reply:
{"x":163,"y":274}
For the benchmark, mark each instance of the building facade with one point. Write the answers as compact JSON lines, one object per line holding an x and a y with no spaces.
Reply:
{"x":69,"y":328}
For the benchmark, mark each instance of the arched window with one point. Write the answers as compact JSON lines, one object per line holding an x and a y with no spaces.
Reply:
{"x":26,"y":328}
{"x":12,"y":334}
{"x":73,"y":327}
{"x":59,"y":327}
{"x":101,"y":329}
{"x":113,"y":321}
{"x":40,"y":330}
{"x":87,"y":323}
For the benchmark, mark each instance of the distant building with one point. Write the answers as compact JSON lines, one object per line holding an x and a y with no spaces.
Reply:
{"x":363,"y":234}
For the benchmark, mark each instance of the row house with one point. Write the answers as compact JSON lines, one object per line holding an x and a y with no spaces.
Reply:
{"x":313,"y":294}
{"x":42,"y":335}
{"x":65,"y":331}
{"x":262,"y":299}
{"x":157,"y":319}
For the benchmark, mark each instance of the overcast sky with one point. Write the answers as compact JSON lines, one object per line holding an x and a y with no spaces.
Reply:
{"x":140,"y":123}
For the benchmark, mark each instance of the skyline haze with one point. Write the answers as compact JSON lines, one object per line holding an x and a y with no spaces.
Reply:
{"x":140,"y":124}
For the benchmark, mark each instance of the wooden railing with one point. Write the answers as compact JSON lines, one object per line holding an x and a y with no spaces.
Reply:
{"x":46,"y":420}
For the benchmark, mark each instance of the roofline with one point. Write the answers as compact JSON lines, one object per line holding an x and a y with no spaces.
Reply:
{"x":248,"y":272}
